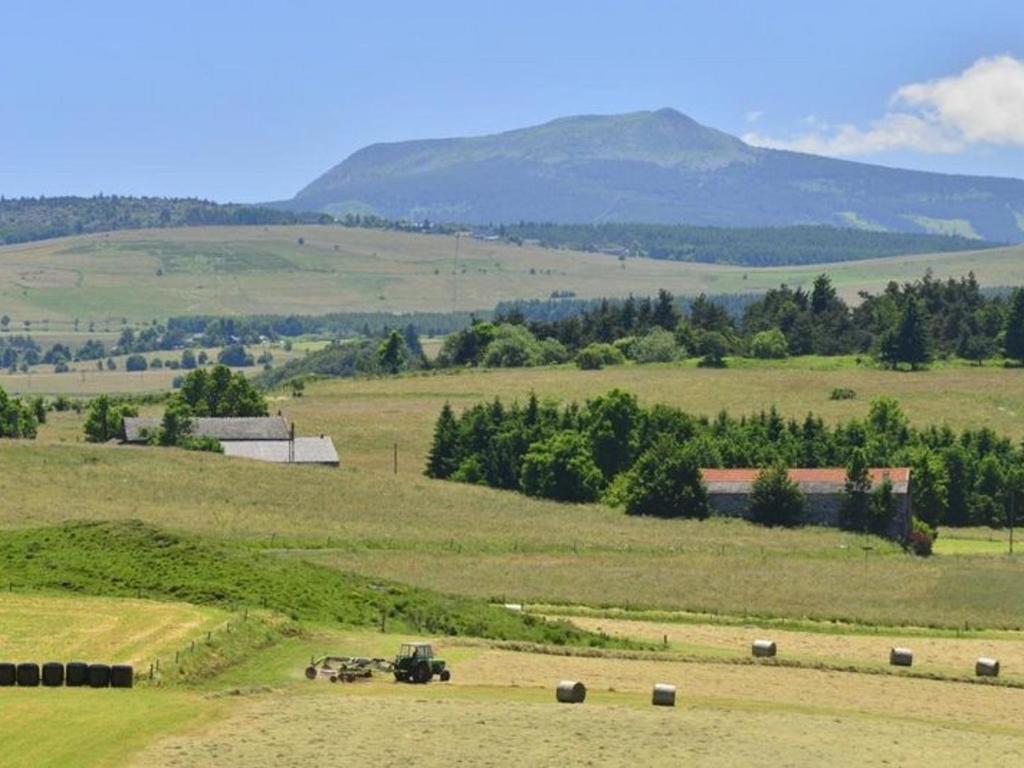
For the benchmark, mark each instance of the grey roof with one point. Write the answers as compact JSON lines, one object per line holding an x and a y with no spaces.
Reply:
{"x":239,"y":428}
{"x":308,"y":450}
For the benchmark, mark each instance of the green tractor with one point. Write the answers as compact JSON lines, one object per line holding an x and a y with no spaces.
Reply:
{"x":416,"y":663}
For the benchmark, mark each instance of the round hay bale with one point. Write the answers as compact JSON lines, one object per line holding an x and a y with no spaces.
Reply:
{"x":122,"y":676}
{"x":28,"y":674}
{"x":663,"y":695}
{"x":8,"y":674}
{"x":76,"y":674}
{"x":571,"y":692}
{"x":901,"y":657}
{"x":763,"y":649}
{"x":99,"y":676}
{"x":53,"y":674}
{"x":986,"y":667}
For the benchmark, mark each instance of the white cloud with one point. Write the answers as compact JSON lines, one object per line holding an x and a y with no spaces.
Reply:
{"x":754,"y":115}
{"x":982,"y":104}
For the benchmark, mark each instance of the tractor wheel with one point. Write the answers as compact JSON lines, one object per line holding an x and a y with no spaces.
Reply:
{"x":445,"y":675}
{"x":311,"y":673}
{"x":421,"y":673}
{"x":333,"y":678}
{"x":401,"y":677}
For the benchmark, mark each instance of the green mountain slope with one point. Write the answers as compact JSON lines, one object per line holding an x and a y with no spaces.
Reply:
{"x":657,"y":167}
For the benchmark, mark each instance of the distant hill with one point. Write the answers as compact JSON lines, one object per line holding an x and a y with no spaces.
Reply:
{"x":748,"y":246}
{"x":655,"y":167}
{"x":26,"y":219}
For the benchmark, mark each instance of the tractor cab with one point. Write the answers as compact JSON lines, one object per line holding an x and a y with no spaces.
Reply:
{"x":416,"y":651}
{"x":416,"y":663}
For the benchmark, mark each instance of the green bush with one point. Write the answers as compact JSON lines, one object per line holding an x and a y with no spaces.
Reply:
{"x":553,"y":352}
{"x":17,"y":419}
{"x":922,"y":538}
{"x":842,"y":393}
{"x":666,"y":482}
{"x":657,"y":346}
{"x":104,"y":419}
{"x":597,"y":356}
{"x":512,"y":346}
{"x":712,"y":348}
{"x":562,"y":468}
{"x":135,"y":362}
{"x":769,"y":345}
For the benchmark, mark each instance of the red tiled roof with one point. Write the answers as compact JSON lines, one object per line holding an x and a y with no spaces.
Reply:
{"x":835,"y":475}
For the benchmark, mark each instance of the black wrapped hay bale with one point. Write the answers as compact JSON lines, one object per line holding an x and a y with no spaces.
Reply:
{"x":28,"y":674}
{"x":571,"y":692}
{"x":764,"y":649}
{"x":76,"y":674}
{"x":99,"y":676}
{"x":8,"y":674}
{"x":53,"y":674}
{"x":986,"y":667}
{"x":901,"y":657}
{"x":663,"y":695}
{"x":122,"y":676}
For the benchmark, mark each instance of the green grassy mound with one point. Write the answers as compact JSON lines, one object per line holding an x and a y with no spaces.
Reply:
{"x":131,"y":558}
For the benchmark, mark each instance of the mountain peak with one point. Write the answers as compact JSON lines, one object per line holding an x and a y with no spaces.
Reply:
{"x":658,"y":166}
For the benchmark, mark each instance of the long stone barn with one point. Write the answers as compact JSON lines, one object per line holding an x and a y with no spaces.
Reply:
{"x":263,"y":438}
{"x":729,"y":493}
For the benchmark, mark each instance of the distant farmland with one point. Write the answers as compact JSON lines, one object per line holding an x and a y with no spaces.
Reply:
{"x":145,"y":274}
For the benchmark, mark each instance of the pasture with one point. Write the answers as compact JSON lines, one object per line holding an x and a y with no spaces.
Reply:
{"x":476,"y":541}
{"x":835,"y":602}
{"x":144,"y":274}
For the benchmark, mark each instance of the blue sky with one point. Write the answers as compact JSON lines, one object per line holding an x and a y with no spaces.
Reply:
{"x":249,"y":101}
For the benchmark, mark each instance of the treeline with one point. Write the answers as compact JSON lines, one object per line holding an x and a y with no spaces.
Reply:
{"x":647,"y":459}
{"x":397,"y":352}
{"x":29,"y":218}
{"x":747,"y":246}
{"x":909,"y":324}
{"x":216,"y":330}
{"x":548,"y":310}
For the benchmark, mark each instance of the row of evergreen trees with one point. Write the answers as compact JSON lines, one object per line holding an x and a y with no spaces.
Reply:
{"x":613,"y":450}
{"x":907,"y":324}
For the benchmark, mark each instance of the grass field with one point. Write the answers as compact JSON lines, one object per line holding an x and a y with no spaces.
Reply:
{"x":493,"y":544}
{"x":478,"y":541}
{"x":139,"y":275}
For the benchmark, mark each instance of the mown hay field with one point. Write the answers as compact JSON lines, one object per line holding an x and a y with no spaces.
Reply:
{"x":949,"y":656}
{"x":341,"y":730}
{"x":61,"y":727}
{"x":55,"y":628}
{"x":501,"y":703}
{"x":141,"y":274}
